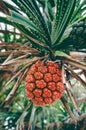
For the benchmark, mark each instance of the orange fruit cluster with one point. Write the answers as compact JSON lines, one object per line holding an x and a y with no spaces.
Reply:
{"x":44,"y":83}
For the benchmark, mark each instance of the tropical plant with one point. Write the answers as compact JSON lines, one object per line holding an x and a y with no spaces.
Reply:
{"x":48,"y":30}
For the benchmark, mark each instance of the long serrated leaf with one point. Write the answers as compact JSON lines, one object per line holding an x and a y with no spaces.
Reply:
{"x":48,"y":11}
{"x":60,"y":53}
{"x":17,"y":18}
{"x":42,"y":21}
{"x":30,"y":34}
{"x":58,"y":18}
{"x":9,"y":6}
{"x":66,"y":9}
{"x":34,"y":41}
{"x":80,"y":8}
{"x":29,"y":9}
{"x":4,"y":20}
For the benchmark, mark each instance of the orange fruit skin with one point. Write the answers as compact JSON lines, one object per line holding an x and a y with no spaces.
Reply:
{"x":43,"y":83}
{"x":30,"y":86}
{"x":30,"y":79}
{"x":47,"y":92}
{"x":37,"y":92}
{"x":48,"y":77}
{"x":40,"y":84}
{"x":38,"y":75}
{"x":51,"y":86}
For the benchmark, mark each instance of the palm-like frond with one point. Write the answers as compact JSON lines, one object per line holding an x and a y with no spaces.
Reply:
{"x":42,"y":24}
{"x":63,"y":14}
{"x":79,"y":11}
{"x":44,"y":29}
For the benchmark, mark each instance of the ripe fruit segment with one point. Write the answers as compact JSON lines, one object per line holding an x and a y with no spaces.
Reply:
{"x":44,"y":83}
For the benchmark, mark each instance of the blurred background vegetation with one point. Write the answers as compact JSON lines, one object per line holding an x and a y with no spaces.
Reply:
{"x":18,"y":112}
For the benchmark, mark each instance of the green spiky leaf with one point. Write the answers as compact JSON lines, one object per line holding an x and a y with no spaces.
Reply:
{"x":60,"y":53}
{"x":17,"y":18}
{"x":64,"y":12}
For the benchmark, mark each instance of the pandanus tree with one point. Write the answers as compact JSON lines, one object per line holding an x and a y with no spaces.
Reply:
{"x":38,"y":71}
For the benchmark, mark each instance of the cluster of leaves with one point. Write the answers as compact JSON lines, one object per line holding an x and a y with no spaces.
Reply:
{"x":42,"y":23}
{"x":24,"y":116}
